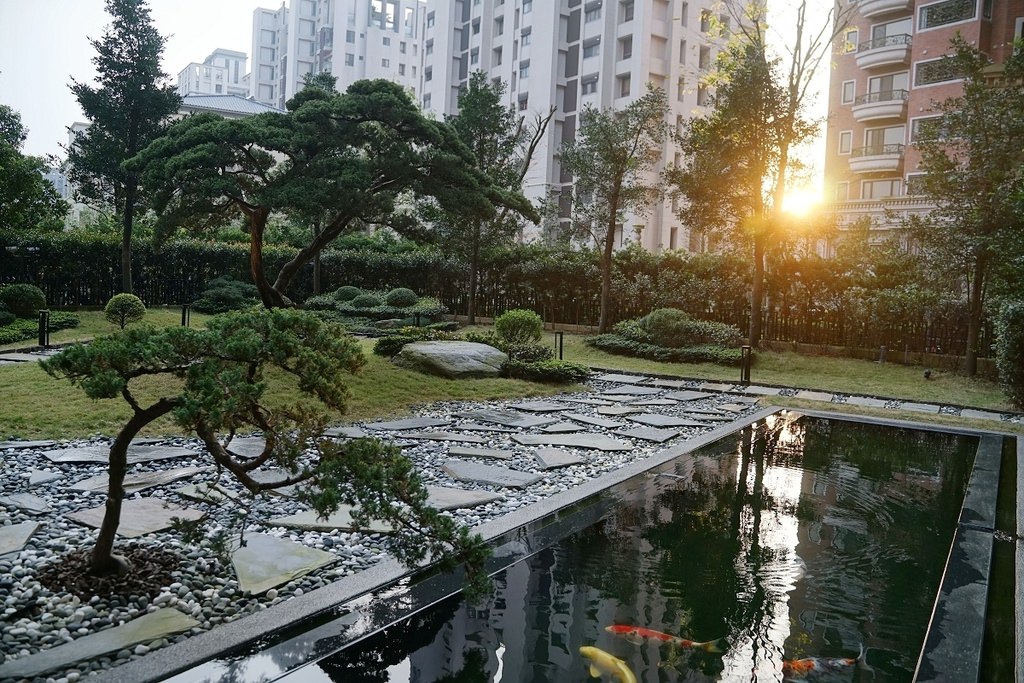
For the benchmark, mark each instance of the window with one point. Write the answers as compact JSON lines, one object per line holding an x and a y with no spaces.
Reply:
{"x":499,"y":26}
{"x":474,"y":56}
{"x":850,"y":39}
{"x":915,"y":184}
{"x":402,"y":47}
{"x":591,"y":47}
{"x":428,"y":74}
{"x":704,"y":58}
{"x":937,"y":71}
{"x":684,"y":12}
{"x":524,"y":69}
{"x":350,"y":59}
{"x":218,"y":88}
{"x":526,"y":38}
{"x":880,"y":189}
{"x":927,"y":128}
{"x":430,"y":21}
{"x":680,"y":89}
{"x":942,"y":13}
{"x":849,"y":89}
{"x":385,"y":62}
{"x":401,"y":69}
{"x":476,"y":26}
{"x":306,"y":27}
{"x":627,"y":10}
{"x":723,"y":24}
{"x":846,"y":142}
{"x":386,"y":41}
{"x":623,"y":85}
{"x":267,"y":54}
{"x":887,"y":34}
{"x":350,"y":36}
{"x":497,"y":56}
{"x":588,"y":85}
{"x":705,"y":21}
{"x":888,"y":87}
{"x":702,"y":95}
{"x":524,"y":103}
{"x":682,"y":52}
{"x":268,"y":37}
{"x":626,"y":47}
{"x":429,"y":47}
{"x":884,"y":140}
{"x":592,"y":12}
{"x":842,"y":191}
{"x":527,"y":6}
{"x":426,"y":101}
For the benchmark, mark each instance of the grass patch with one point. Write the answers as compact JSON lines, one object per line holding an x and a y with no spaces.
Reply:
{"x":94,"y":324}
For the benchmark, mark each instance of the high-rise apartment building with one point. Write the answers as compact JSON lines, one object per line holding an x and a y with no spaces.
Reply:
{"x":568,"y":54}
{"x":890,"y":69}
{"x":379,"y":39}
{"x":222,"y":73}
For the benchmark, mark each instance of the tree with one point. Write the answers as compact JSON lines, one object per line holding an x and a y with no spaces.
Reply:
{"x":972,"y":159}
{"x":127,"y":110}
{"x":503,"y":144}
{"x":223,"y":391}
{"x":27,"y":199}
{"x":612,"y":161}
{"x":351,"y":159}
{"x":738,"y":160}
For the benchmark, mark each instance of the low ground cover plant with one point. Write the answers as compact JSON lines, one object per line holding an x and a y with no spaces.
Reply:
{"x":669,"y":334}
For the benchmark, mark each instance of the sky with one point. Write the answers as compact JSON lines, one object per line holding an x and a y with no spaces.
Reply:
{"x":46,"y":44}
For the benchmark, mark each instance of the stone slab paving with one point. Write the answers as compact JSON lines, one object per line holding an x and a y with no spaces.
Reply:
{"x":22,"y":445}
{"x":709,"y":417}
{"x":310,"y":520}
{"x":153,"y":626}
{"x":139,"y":516}
{"x":814,"y":395}
{"x":593,"y":421}
{"x":507,"y":418}
{"x":732,"y":407}
{"x":749,"y":400}
{"x":920,"y":407}
{"x":448,"y":498}
{"x":669,"y":383}
{"x":649,"y":434}
{"x":445,"y":436}
{"x":589,"y":401}
{"x":36,"y":477}
{"x":598,"y":442}
{"x":716,"y":386}
{"x":655,"y":402}
{"x":16,"y":357}
{"x":761,"y":391}
{"x":476,"y":427}
{"x":688,"y":395}
{"x":463,"y":470}
{"x":267,"y":561}
{"x":711,"y":412}
{"x":540,"y":406}
{"x":866,"y":401}
{"x":631,"y":390}
{"x":562,"y":428}
{"x":497,"y":454}
{"x":618,"y":410}
{"x":140,"y":481}
{"x":207,"y":493}
{"x":27,"y":502}
{"x":622,"y":379}
{"x":552,"y":458}
{"x":344,"y":433}
{"x":272,"y":474}
{"x":978,"y":414}
{"x":656,"y":420}
{"x":248,"y":446}
{"x":137,"y":453}
{"x":14,"y":537}
{"x":411,"y":423}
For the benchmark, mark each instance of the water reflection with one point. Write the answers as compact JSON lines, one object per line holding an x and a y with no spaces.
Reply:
{"x":789,"y":540}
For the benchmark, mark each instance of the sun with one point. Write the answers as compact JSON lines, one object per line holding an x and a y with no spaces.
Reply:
{"x":801,"y":200}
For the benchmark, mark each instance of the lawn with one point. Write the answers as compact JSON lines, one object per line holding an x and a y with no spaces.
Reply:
{"x":93,"y":324}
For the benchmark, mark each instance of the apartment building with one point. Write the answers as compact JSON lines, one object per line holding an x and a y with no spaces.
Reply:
{"x":890,"y":69}
{"x":223,"y":72}
{"x":568,"y":54}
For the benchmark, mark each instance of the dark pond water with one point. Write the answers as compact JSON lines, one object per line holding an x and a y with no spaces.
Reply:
{"x":784,"y":542}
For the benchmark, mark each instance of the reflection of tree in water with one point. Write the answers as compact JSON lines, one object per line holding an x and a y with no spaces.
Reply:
{"x":474,"y":669}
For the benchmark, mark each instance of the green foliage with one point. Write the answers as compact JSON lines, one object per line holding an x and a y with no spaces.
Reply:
{"x":522,"y":352}
{"x":28,"y":201}
{"x":346,"y":293}
{"x":225,"y":294}
{"x":1010,"y":350}
{"x":401,"y":297}
{"x":706,"y":353}
{"x":6,"y":317}
{"x":320,"y":302}
{"x":519,"y":326}
{"x":366,"y":301}
{"x":546,"y":371}
{"x":23,"y":300}
{"x":390,"y":346}
{"x":675,"y":329}
{"x":123,"y":309}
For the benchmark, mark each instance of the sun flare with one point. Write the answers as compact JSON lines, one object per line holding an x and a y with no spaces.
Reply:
{"x":800,"y":201}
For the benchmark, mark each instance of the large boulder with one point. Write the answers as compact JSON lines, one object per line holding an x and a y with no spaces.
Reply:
{"x":452,"y":359}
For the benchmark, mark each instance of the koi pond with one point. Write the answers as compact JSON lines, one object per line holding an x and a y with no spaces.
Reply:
{"x":799,"y":548}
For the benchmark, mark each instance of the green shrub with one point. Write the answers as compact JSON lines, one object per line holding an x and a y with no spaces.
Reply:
{"x":672,"y":328}
{"x":445,"y":326}
{"x":548,"y":371}
{"x":346,"y":293}
{"x":401,"y":298}
{"x":60,"y":320}
{"x":1009,"y":348}
{"x":225,"y":294}
{"x":528,"y":353}
{"x":701,"y":353}
{"x":22,"y":329}
{"x":24,"y":301}
{"x":366,"y":301}
{"x":519,"y":326}
{"x":9,"y":334}
{"x":6,"y":317}
{"x":390,"y":346}
{"x":123,"y":309}
{"x":488,"y":338}
{"x":320,"y":302}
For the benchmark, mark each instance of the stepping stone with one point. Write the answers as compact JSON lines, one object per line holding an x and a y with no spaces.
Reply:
{"x":732,"y":407}
{"x":149,"y":627}
{"x":976,"y":414}
{"x":411,"y":423}
{"x":474,"y":427}
{"x":618,"y":410}
{"x":507,"y":418}
{"x":630,"y":390}
{"x":463,"y":470}
{"x":208,"y":493}
{"x":745,"y":400}
{"x":622,"y":379}
{"x":920,"y":407}
{"x":460,"y":452}
{"x":267,"y":561}
{"x":36,"y":477}
{"x":310,"y":520}
{"x":598,"y":442}
{"x":654,"y":402}
{"x":761,"y":391}
{"x":248,"y":446}
{"x":595,"y":421}
{"x":101,"y":454}
{"x":669,"y":383}
{"x":344,"y":433}
{"x":814,"y":395}
{"x":589,"y":401}
{"x":445,"y":436}
{"x":448,"y":498}
{"x":26,"y":502}
{"x":867,"y":402}
{"x":716,"y":386}
{"x":141,"y":481}
{"x":688,"y":395}
{"x":276,"y":474}
{"x":139,"y":516}
{"x":540,"y":406}
{"x":551,"y":458}
{"x":14,"y":537}
{"x":656,"y":420}
{"x":709,"y":417}
{"x":708,"y":412}
{"x":23,"y":445}
{"x":15,"y":357}
{"x":562,"y":428}
{"x":649,"y":434}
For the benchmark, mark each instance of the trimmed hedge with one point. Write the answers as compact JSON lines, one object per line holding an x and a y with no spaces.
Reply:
{"x":346,"y":293}
{"x":401,"y":297}
{"x":1009,"y":348}
{"x":225,"y":294}
{"x":704,"y":353}
{"x":546,"y":371}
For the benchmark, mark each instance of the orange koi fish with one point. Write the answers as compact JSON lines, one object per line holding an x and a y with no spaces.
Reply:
{"x":796,"y":669}
{"x":638,"y":634}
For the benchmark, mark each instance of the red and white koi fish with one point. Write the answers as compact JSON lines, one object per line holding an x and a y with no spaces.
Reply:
{"x":638,"y":634}
{"x":797,"y":669}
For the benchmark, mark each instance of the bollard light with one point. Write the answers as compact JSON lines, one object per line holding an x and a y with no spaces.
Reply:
{"x":185,"y":315}
{"x":746,"y":356}
{"x":559,"y":342}
{"x":44,"y":329}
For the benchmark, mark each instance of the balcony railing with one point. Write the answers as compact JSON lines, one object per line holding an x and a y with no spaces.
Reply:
{"x":876,"y":150}
{"x":886,"y":41}
{"x":882,"y":96}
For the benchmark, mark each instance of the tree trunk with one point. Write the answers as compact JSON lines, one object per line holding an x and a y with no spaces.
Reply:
{"x":606,"y":283}
{"x":103,"y":561}
{"x":757,"y":293}
{"x":257,"y":225}
{"x":126,"y":237}
{"x":975,"y":306}
{"x":474,"y":266}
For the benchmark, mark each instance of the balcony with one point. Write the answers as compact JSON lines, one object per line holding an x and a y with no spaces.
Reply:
{"x":887,"y":51}
{"x":876,"y":158}
{"x":885,"y":104}
{"x":873,"y":8}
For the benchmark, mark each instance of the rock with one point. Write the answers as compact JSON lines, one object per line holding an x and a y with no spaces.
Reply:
{"x":452,"y":359}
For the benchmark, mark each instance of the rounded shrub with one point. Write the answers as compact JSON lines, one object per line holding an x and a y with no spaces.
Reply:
{"x":6,"y":317}
{"x":400,"y":297}
{"x":123,"y":309}
{"x":519,"y":326}
{"x":366,"y":301}
{"x":674,"y":329}
{"x":1010,"y":350}
{"x":347,"y":293}
{"x":225,"y":294}
{"x":22,"y":300}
